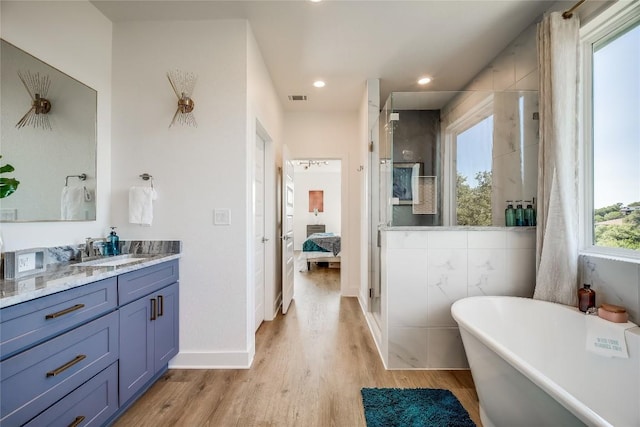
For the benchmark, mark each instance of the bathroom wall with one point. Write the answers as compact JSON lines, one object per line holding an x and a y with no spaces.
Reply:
{"x":75,"y":38}
{"x":335,"y":135}
{"x":425,"y":271}
{"x":416,"y":140}
{"x":616,"y":281}
{"x":196,"y":169}
{"x":324,"y":178}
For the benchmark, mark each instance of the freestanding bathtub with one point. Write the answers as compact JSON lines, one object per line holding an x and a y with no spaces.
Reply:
{"x":530,"y":365}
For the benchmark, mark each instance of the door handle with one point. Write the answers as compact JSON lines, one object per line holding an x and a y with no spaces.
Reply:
{"x":264,"y":240}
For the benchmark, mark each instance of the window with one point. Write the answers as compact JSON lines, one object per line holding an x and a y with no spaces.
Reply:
{"x":473,"y":173}
{"x":612,"y":132}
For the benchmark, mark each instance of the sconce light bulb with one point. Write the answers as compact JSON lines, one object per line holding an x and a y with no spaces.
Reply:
{"x":41,"y":105}
{"x":186,"y":104}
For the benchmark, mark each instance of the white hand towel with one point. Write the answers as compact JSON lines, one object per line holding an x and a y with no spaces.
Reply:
{"x":141,"y":205}
{"x":72,"y":203}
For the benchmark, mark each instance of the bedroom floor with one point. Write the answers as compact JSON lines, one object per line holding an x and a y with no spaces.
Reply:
{"x":308,"y":371}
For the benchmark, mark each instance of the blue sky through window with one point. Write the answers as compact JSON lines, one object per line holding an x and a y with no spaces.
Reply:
{"x":616,"y":118}
{"x":474,"y":147}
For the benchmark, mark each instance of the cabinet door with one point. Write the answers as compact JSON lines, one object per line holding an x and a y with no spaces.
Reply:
{"x":136,"y":347}
{"x":166,"y":335}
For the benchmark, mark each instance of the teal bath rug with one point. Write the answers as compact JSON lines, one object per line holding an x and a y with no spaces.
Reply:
{"x":417,"y":407}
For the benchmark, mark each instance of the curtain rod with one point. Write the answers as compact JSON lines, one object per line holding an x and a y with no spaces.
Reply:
{"x":569,"y":13}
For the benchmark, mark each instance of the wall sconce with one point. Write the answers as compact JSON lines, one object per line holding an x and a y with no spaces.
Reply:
{"x":37,"y":86}
{"x":183,"y":84}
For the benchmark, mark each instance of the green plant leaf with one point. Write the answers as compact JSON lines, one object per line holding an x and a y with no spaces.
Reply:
{"x":8,"y":186}
{"x":6,"y":168}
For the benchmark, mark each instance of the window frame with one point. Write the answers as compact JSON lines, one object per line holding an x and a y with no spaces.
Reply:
{"x":475,"y":115}
{"x":615,"y":19}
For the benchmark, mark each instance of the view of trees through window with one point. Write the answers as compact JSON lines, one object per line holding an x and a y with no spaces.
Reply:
{"x":616,"y":140}
{"x":473,"y":163}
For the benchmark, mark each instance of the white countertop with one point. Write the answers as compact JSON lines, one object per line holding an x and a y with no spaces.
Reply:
{"x":63,"y":276}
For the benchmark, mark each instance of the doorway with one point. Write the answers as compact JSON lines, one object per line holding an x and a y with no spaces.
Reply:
{"x":317,"y":212}
{"x":264,"y":297}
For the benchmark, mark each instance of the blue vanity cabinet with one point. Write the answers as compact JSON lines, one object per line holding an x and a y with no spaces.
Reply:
{"x":35,"y":379}
{"x":24,"y":325}
{"x":81,"y":356}
{"x":148,"y":328}
{"x":90,"y":405}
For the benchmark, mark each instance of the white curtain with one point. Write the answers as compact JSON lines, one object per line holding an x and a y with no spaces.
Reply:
{"x":557,"y":204}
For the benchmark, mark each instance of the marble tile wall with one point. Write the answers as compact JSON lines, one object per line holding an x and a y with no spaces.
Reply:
{"x":426,"y":271}
{"x":615,"y":282}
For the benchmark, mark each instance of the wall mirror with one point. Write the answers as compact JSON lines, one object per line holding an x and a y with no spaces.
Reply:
{"x":51,"y":144}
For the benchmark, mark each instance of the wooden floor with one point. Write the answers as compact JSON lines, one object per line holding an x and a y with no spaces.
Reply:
{"x":309,"y":367}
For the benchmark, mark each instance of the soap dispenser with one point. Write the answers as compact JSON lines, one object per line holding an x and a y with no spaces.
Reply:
{"x":510,"y":214}
{"x":519,"y":214}
{"x":114,"y":242}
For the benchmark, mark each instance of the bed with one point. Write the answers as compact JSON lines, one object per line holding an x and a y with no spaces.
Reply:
{"x":321,"y":247}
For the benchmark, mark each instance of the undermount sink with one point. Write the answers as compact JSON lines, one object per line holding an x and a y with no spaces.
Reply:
{"x":113,"y":261}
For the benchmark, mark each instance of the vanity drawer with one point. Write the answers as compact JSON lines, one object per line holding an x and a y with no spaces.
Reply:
{"x":139,"y":283}
{"x":37,"y":378}
{"x":32,"y":322}
{"x":91,"y":404}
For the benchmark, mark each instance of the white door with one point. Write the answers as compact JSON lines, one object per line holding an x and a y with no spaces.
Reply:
{"x":260,"y":240}
{"x":287,"y":230}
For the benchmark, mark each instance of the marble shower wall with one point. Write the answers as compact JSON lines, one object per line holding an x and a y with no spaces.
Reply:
{"x":427,"y":270}
{"x":615,"y":282}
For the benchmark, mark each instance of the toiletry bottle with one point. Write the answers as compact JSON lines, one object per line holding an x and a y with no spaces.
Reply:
{"x":586,"y":298}
{"x":114,"y":242}
{"x":529,"y":215}
{"x":510,"y":215}
{"x":519,"y":214}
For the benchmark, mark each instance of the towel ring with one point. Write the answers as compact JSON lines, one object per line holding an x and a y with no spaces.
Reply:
{"x":146,"y":177}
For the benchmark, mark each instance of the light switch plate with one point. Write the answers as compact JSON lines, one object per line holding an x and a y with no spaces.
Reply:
{"x":222,"y":216}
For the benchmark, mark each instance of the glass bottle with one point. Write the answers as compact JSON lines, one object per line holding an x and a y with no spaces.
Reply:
{"x":586,"y":298}
{"x":519,"y":214}
{"x":529,"y":215}
{"x":510,"y":214}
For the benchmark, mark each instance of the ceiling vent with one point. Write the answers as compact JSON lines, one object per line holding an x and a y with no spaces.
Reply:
{"x":297,"y":97}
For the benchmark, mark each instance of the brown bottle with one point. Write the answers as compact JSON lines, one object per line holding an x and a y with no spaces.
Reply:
{"x":586,"y":298}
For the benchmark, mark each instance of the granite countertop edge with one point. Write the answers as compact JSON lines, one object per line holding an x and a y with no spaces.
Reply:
{"x":67,"y":276}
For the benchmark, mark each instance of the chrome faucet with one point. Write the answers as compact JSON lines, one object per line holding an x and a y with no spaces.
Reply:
{"x":89,"y":249}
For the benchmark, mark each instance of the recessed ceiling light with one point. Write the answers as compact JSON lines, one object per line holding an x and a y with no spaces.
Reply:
{"x":319,"y":83}
{"x":315,"y":1}
{"x":424,"y":80}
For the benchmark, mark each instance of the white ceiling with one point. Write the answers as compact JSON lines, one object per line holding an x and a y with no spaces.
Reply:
{"x":347,"y":42}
